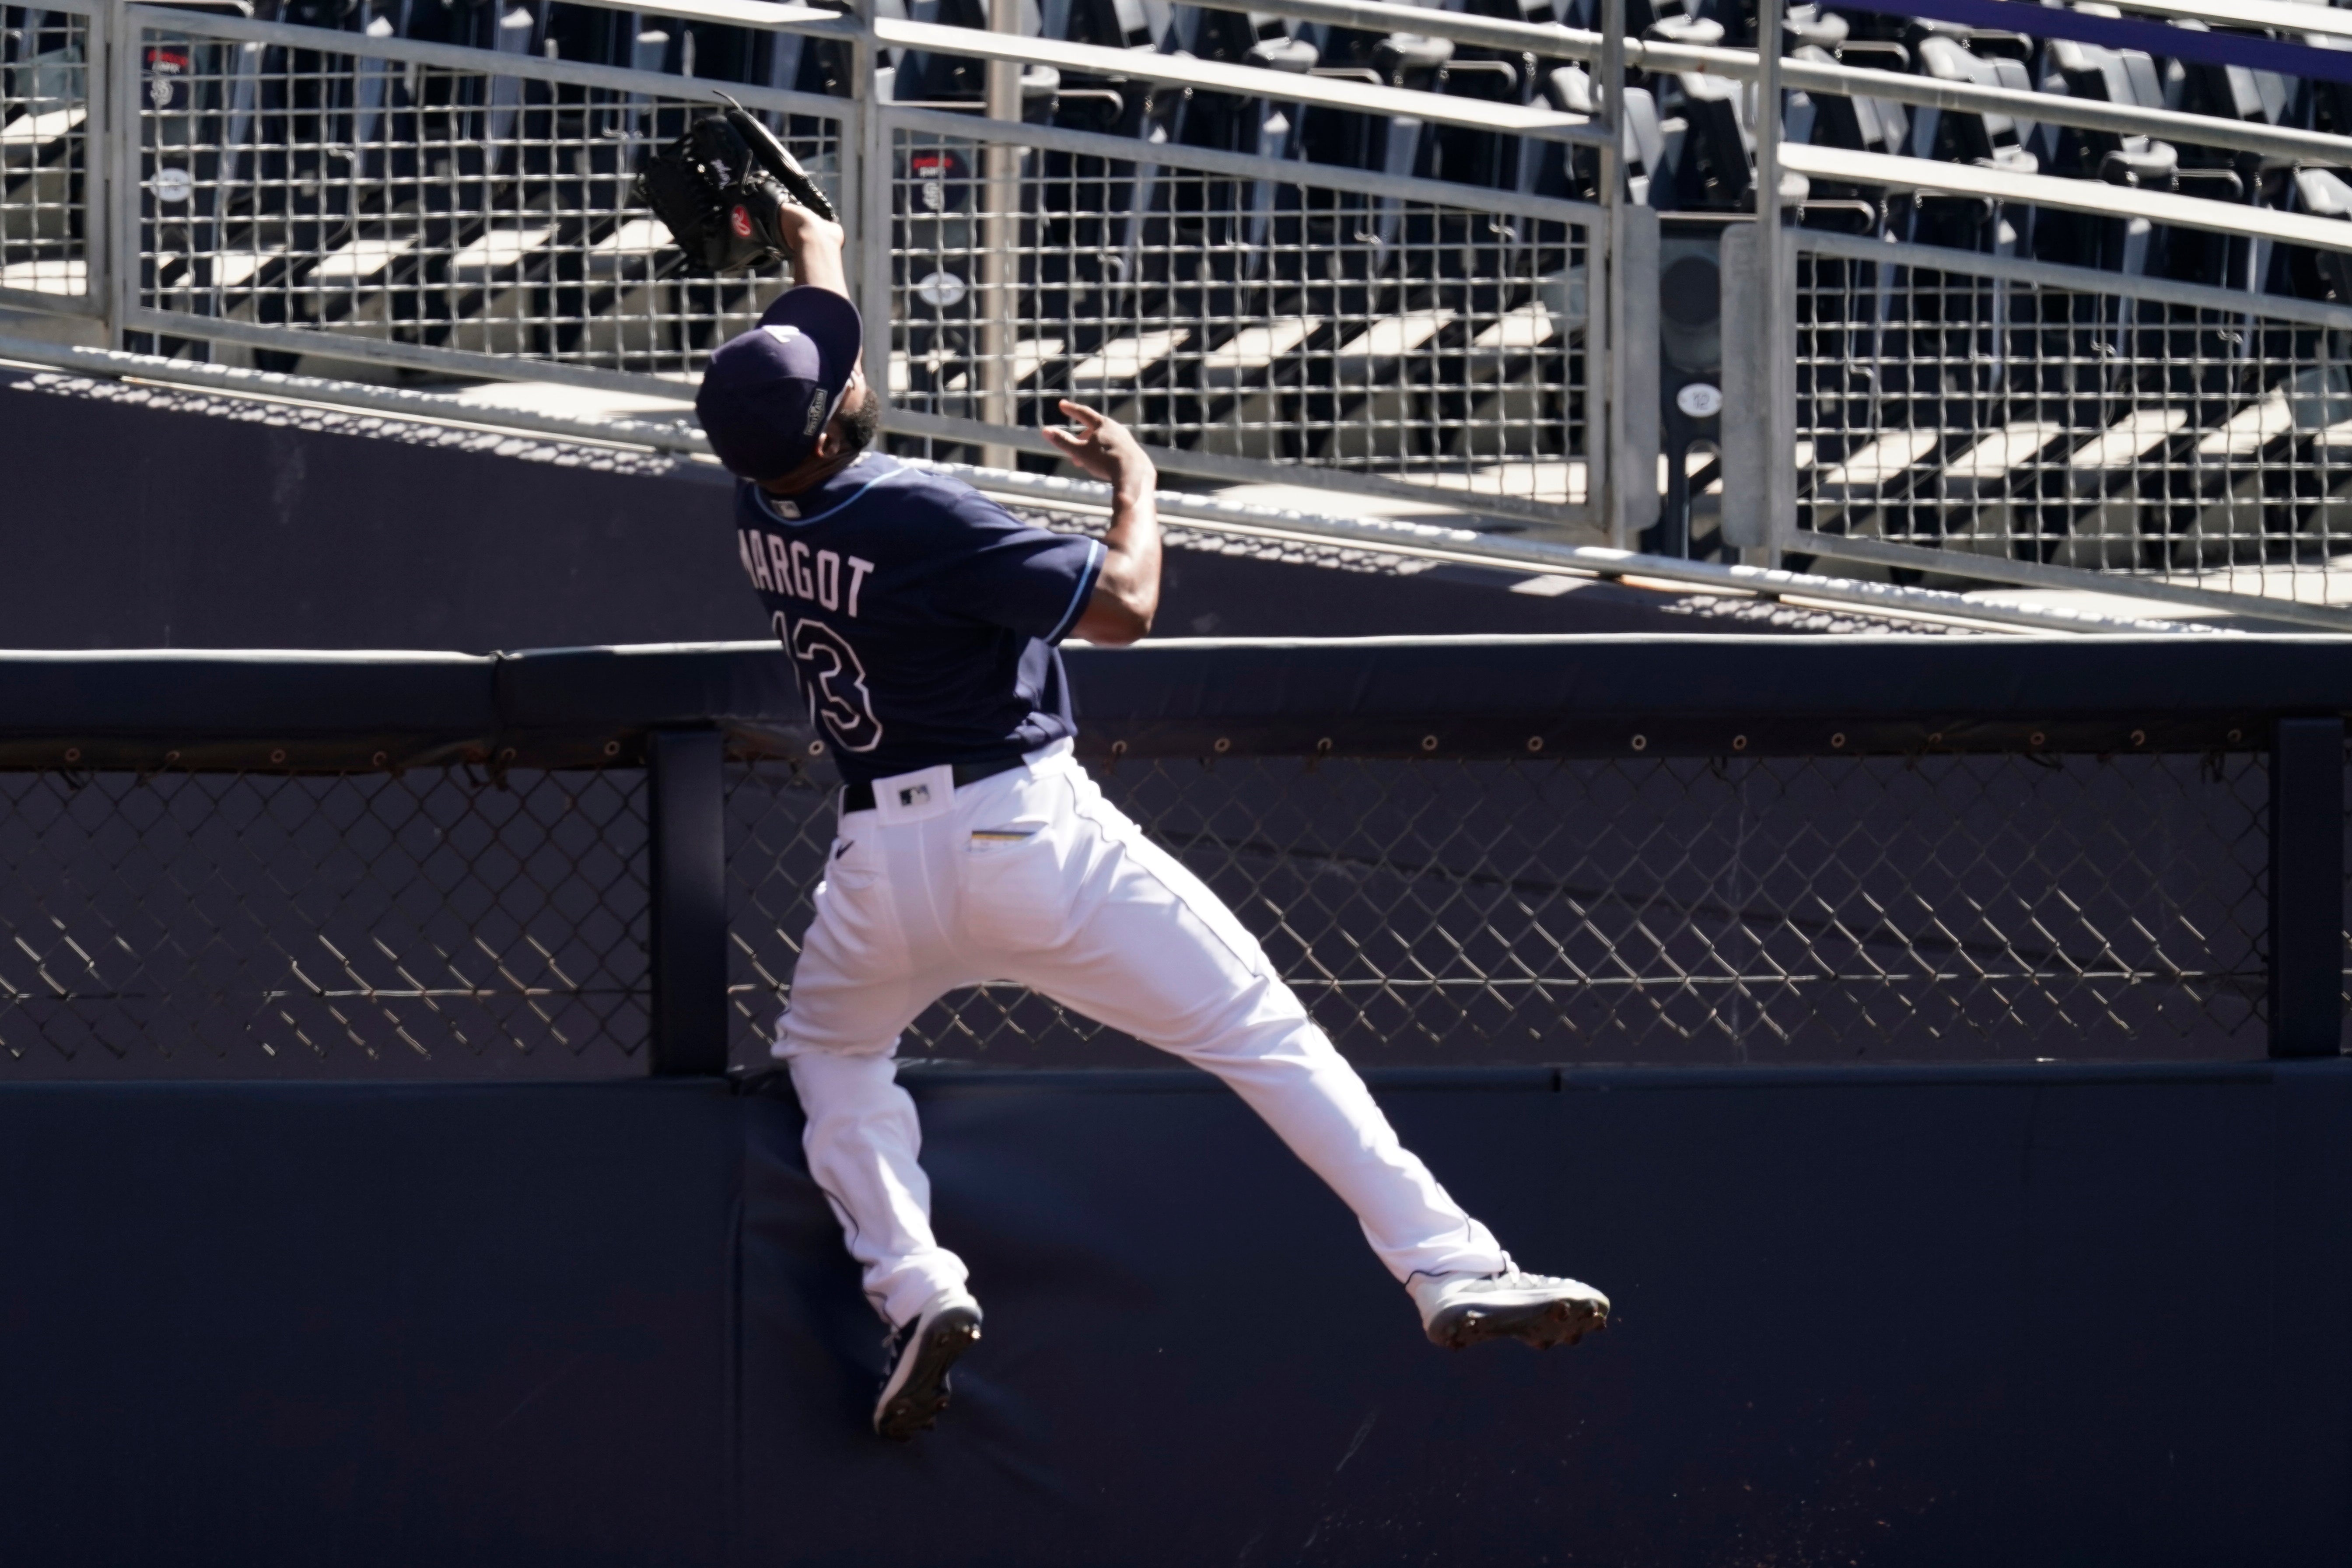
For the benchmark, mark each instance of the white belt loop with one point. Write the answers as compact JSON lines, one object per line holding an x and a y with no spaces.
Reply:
{"x":1052,"y":757}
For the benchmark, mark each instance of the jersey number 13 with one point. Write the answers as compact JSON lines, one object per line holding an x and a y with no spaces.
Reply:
{"x":834,"y":681}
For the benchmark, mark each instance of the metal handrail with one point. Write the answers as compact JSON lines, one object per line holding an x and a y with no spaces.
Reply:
{"x":1544,"y":40}
{"x":2086,"y":279}
{"x":1238,"y":165}
{"x":1552,"y":41}
{"x":2069,"y":195}
{"x":460,"y":57}
{"x":1248,"y":82}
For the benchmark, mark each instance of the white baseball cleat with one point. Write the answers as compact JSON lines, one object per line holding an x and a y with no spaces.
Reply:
{"x":1460,"y":1309}
{"x":920,"y":1353}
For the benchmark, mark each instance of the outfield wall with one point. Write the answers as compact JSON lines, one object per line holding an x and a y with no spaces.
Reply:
{"x":1884,"y":1316}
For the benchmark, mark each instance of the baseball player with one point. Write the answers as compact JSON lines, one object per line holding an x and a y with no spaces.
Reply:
{"x":922,"y":621}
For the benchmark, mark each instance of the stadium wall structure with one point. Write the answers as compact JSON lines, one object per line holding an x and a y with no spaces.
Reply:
{"x":1863,"y":1316}
{"x":145,"y":517}
{"x":1886,"y":1314}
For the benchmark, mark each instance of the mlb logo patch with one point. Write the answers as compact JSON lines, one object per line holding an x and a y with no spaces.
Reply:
{"x":915,"y":794}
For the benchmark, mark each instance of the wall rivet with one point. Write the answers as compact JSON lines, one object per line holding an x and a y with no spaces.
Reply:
{"x":1640,"y":742}
{"x":1738,"y":742}
{"x":278,"y":756}
{"x":2139,"y":737}
{"x":1429,"y":743}
{"x":611,"y":748}
{"x":73,"y":753}
{"x":2035,"y":739}
{"x":1838,"y":740}
{"x":816,"y":747}
{"x":380,"y":759}
{"x":2233,"y":737}
{"x":1223,"y":745}
{"x":1535,"y":742}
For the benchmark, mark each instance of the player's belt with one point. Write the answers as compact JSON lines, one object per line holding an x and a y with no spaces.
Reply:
{"x":860,"y":796}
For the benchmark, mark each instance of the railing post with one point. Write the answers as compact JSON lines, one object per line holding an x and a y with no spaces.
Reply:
{"x":688,"y":878}
{"x":119,"y":123}
{"x":2306,"y":883}
{"x":1774,"y":318}
{"x":1000,"y":265}
{"x":866,"y":180}
{"x":1605,"y":345}
{"x":1633,"y":468}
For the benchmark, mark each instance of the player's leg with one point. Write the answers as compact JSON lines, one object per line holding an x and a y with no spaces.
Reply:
{"x":864,"y":973}
{"x":1091,"y":913}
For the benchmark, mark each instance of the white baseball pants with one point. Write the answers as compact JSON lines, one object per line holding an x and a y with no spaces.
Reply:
{"x":1032,"y":877}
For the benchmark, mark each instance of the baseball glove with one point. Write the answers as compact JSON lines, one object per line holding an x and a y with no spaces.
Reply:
{"x":719,"y":189}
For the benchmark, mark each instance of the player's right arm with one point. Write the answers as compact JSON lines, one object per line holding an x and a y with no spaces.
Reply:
{"x":814,"y":245}
{"x":1126,"y":591}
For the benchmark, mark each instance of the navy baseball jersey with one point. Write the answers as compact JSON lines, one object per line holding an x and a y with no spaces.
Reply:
{"x":920,"y":616}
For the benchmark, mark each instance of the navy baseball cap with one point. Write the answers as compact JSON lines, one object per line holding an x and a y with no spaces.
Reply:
{"x":767,"y":394}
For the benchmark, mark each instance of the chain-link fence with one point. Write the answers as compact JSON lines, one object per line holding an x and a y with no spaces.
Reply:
{"x":2003,"y":410}
{"x":433,"y":922}
{"x":45,"y":148}
{"x":448,"y":922}
{"x":1242,"y":307}
{"x":1674,"y":910}
{"x":433,"y":204}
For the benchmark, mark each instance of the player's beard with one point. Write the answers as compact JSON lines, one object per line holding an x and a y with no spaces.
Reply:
{"x":859,"y":430}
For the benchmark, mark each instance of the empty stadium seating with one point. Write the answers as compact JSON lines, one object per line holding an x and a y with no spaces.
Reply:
{"x":1267,"y":322}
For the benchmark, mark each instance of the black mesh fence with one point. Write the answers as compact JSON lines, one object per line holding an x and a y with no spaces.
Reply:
{"x":2013,"y":907}
{"x":435,"y":922}
{"x":486,"y":919}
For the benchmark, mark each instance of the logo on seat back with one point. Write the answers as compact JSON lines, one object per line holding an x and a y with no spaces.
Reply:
{"x":915,"y":794}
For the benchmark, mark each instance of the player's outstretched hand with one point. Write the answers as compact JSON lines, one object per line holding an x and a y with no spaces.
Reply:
{"x":1102,"y":446}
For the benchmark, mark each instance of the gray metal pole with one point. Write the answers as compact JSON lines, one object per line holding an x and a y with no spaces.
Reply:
{"x":1000,"y":267}
{"x":1778,"y":331}
{"x":866,"y":160}
{"x":1606,"y":342}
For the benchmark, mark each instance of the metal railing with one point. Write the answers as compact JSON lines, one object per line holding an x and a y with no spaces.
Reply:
{"x":352,"y":195}
{"x":2006,"y":418}
{"x":420,"y":204}
{"x":576,"y":874}
{"x":50,"y":222}
{"x":358,"y":196}
{"x":1244,"y":310}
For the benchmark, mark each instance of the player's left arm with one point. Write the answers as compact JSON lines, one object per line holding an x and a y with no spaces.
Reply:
{"x":1127,"y":591}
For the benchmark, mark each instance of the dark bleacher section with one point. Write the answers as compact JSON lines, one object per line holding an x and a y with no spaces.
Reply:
{"x":1690,"y":153}
{"x":1126,"y":241}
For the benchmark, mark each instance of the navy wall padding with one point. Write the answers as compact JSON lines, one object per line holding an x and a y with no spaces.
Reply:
{"x":1471,"y":694}
{"x":136,"y":521}
{"x":1881,"y":1318}
{"x":280,"y":1324}
{"x":1877,"y":1316}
